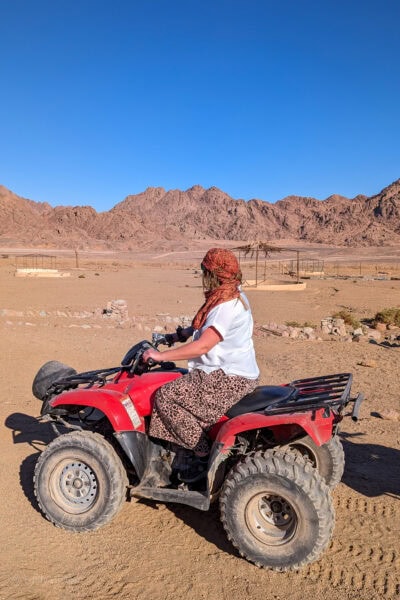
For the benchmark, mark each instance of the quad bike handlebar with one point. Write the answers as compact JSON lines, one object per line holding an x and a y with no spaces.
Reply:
{"x":134,"y":357}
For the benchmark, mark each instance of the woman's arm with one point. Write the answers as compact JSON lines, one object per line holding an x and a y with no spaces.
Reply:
{"x":208,"y":339}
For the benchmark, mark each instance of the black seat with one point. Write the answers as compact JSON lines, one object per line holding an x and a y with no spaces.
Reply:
{"x":263,"y":396}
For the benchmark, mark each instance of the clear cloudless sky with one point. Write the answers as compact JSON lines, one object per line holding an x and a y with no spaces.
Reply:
{"x":104,"y":98}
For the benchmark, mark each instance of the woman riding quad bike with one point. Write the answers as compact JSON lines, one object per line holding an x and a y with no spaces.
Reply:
{"x":148,"y":429}
{"x":221,"y":362}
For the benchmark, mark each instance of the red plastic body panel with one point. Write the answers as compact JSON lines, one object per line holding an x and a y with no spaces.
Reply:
{"x":141,"y":389}
{"x":318,"y":427}
{"x":109,"y":398}
{"x":106,"y":400}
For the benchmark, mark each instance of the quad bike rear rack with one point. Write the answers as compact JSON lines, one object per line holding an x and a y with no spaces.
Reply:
{"x":327,"y":391}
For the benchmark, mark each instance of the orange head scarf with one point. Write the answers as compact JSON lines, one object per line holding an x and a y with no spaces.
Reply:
{"x":224,"y":265}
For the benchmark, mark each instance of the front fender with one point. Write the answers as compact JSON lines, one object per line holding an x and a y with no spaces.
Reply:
{"x":317,"y":424}
{"x":117,"y":406}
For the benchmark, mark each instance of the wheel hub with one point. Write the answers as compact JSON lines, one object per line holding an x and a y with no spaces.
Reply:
{"x":78,"y":484}
{"x":271,"y":518}
{"x":276,"y":507}
{"x":275,"y":510}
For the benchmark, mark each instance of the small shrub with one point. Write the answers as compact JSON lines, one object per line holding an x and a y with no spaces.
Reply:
{"x":389,"y":316}
{"x":308,"y":324}
{"x":300,"y":325}
{"x":81,"y":277}
{"x":348,"y":318}
{"x":292,"y":323}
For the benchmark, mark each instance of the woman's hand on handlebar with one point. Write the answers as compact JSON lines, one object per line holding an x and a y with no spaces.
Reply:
{"x":152,"y":354}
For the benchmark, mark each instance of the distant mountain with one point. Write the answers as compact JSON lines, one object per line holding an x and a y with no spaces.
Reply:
{"x":200,"y":214}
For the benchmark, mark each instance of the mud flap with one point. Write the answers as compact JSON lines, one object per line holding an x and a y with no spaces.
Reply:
{"x":151,"y":460}
{"x":134,"y":444}
{"x":216,"y":469}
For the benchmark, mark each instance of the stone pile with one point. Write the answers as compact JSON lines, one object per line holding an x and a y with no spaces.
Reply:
{"x":334,"y":329}
{"x":333,"y":326}
{"x":295,"y":333}
{"x":118,"y":310}
{"x":169,"y":324}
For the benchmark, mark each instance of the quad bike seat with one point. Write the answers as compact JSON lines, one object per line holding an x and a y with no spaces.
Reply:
{"x":262,"y":397}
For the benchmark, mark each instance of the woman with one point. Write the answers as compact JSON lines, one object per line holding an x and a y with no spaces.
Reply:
{"x":221,"y":359}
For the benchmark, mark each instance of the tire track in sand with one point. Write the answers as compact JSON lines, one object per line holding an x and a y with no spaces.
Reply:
{"x":364,"y":553}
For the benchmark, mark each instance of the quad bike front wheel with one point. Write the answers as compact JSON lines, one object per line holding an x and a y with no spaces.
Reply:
{"x":328,"y":459}
{"x":79,"y":481}
{"x":277,"y":510}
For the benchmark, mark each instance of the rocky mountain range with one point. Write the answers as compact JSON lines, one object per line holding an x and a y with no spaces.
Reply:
{"x":200,"y":214}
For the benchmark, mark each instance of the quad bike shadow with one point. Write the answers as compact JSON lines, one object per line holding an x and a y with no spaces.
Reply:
{"x":371,"y":469}
{"x":26,"y":429}
{"x":207,"y":525}
{"x":29,"y":430}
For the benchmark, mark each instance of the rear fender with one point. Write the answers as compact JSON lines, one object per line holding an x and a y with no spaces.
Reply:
{"x":317,"y":424}
{"x":117,"y":406}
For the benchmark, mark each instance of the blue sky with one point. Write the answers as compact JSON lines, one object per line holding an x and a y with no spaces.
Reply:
{"x":101,"y":99}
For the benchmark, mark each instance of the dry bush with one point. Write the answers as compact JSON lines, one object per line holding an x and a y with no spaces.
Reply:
{"x":389,"y":316}
{"x":300,"y":325}
{"x":348,"y":318}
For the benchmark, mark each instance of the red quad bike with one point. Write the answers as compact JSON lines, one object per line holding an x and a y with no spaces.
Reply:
{"x":274,"y":456}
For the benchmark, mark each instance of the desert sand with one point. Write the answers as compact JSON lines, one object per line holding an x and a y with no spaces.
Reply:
{"x":155,"y":551}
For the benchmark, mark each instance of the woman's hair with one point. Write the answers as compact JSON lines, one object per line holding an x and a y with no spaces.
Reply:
{"x":210,"y":280}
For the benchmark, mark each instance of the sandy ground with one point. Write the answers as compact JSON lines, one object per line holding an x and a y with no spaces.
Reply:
{"x":153,"y":551}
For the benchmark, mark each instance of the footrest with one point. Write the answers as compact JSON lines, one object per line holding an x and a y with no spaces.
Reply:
{"x":199,"y":500}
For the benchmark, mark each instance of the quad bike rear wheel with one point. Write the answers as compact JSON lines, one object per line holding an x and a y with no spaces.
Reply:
{"x":79,"y":481}
{"x":328,"y":459}
{"x":277,"y":510}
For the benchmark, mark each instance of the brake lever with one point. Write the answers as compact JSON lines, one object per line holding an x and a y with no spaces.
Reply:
{"x":139,"y":362}
{"x":135,"y":363}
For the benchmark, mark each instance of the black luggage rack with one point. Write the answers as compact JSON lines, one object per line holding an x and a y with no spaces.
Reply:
{"x":331,"y":391}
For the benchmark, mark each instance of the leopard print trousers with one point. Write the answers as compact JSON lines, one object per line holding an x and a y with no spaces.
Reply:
{"x":187,"y":407}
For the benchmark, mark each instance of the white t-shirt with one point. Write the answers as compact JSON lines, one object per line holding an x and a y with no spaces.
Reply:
{"x":234,"y":354}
